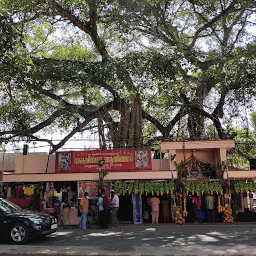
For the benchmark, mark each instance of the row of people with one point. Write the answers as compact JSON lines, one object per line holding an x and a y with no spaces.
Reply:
{"x":104,"y":207}
{"x":153,"y":206}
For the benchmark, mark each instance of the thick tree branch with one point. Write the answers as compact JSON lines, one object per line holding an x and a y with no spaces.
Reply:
{"x":37,"y":127}
{"x":215,"y":120}
{"x":88,"y":119}
{"x":67,"y":15}
{"x":229,"y":9}
{"x":154,"y":121}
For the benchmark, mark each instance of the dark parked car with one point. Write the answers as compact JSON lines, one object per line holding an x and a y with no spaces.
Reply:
{"x":19,"y":225}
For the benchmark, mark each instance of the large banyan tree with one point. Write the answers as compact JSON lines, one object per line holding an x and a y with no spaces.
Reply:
{"x":138,"y":71}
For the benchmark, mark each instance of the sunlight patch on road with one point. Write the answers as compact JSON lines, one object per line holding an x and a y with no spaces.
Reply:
{"x":48,"y":252}
{"x":84,"y":237}
{"x":232,"y":251}
{"x":105,"y":234}
{"x":61,"y":233}
{"x":214,"y":233}
{"x":219,"y":252}
{"x":220,"y":235}
{"x":179,"y":241}
{"x":205,"y":238}
{"x":150,"y":229}
{"x":191,"y":237}
{"x":129,"y":234}
{"x":147,"y":239}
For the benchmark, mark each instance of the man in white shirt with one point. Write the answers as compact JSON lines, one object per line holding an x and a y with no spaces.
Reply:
{"x":115,"y":208}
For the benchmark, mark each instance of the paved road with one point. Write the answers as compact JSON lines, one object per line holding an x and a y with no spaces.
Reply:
{"x":189,"y":239}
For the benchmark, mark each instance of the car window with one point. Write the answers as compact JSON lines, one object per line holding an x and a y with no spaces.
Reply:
{"x":7,"y":206}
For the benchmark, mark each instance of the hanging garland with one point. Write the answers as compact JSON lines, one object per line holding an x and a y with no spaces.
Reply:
{"x":185,"y":212}
{"x":136,"y":187}
{"x":244,"y":186}
{"x":152,"y":188}
{"x":169,"y":186}
{"x":130,"y":187}
{"x":124,"y":188}
{"x":165,"y":187}
{"x":159,"y":188}
{"x":219,"y":205}
{"x":192,"y":188}
{"x":178,"y":216}
{"x":228,"y":217}
{"x":118,"y":187}
{"x":147,"y":188}
{"x":141,"y":187}
{"x":203,"y":187}
{"x":187,"y":186}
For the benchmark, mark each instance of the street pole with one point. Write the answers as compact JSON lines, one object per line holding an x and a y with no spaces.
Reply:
{"x":172,"y":170}
{"x":2,"y":173}
{"x":172,"y":158}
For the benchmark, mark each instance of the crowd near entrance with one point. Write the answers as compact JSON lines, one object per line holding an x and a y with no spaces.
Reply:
{"x":140,"y":201}
{"x":202,"y":208}
{"x":186,"y":201}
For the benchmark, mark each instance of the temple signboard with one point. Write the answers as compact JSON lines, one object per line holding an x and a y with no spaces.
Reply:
{"x":112,"y":160}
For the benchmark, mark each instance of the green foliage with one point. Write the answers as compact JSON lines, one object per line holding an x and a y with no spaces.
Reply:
{"x":141,"y":187}
{"x":189,"y":64}
{"x":203,"y":187}
{"x":245,"y":148}
{"x":118,"y":187}
{"x":244,"y":186}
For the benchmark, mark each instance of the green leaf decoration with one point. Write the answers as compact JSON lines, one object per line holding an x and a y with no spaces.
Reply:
{"x":198,"y":187}
{"x":147,"y":188}
{"x":193,"y":187}
{"x":162,"y":188}
{"x":238,"y":187}
{"x":187,"y":186}
{"x":152,"y":187}
{"x":157,"y":188}
{"x":136,"y":187}
{"x":171,"y":186}
{"x":141,"y":187}
{"x":124,"y":187}
{"x":118,"y":187}
{"x":130,"y":187}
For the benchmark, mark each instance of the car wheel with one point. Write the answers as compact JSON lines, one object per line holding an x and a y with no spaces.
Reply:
{"x":19,"y":234}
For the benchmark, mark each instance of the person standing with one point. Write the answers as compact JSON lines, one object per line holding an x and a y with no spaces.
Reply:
{"x":106,"y":206}
{"x":56,"y":208}
{"x":251,"y":201}
{"x":70,"y":195}
{"x":166,"y":209}
{"x":84,"y":206}
{"x":149,"y":209}
{"x":210,"y":207}
{"x":65,"y":212}
{"x":155,"y":209}
{"x":101,"y":210}
{"x":227,"y":199}
{"x":115,"y":208}
{"x":36,"y":199}
{"x":196,"y":200}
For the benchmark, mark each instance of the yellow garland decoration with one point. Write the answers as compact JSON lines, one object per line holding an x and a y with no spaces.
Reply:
{"x":185,"y":213}
{"x":219,"y":205}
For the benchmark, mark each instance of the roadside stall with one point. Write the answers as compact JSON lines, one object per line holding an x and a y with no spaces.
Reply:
{"x":26,"y":195}
{"x":92,"y":188}
{"x":66,"y":194}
